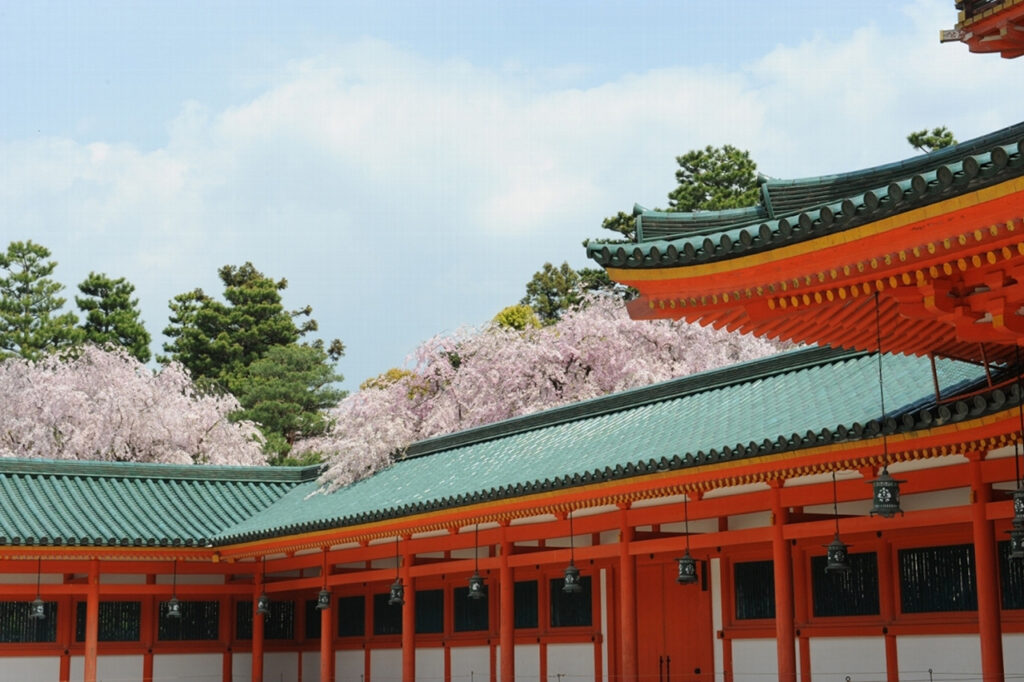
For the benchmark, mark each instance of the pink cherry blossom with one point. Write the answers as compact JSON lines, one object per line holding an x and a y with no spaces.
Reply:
{"x":106,"y":405}
{"x":485,"y":375}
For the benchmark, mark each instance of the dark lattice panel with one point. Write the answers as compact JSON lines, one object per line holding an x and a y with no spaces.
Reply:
{"x":429,"y":612}
{"x":854,"y":593}
{"x":278,"y":624}
{"x":118,"y":621}
{"x":569,"y":610}
{"x":16,"y":626}
{"x":937,"y":579}
{"x":524,"y":596}
{"x":312,"y":620}
{"x":199,"y":621}
{"x":1011,"y":578}
{"x":351,"y":616}
{"x":387,"y":618}
{"x":470,"y":614}
{"x":754,"y":584}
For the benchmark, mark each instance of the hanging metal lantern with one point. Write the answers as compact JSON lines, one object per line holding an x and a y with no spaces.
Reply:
{"x":38,"y":611}
{"x":323,"y":600}
{"x":838,"y":559}
{"x":1017,"y":541}
{"x":397,"y":595}
{"x":174,"y":608}
{"x":886,"y":495}
{"x":687,"y":569}
{"x":263,"y":605}
{"x":1018,"y":506}
{"x":477,"y":589}
{"x":572,"y":580}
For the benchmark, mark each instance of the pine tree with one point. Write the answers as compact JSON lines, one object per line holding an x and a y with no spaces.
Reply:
{"x":112,"y":316}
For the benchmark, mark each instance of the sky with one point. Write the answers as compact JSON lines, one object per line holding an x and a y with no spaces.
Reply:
{"x":407,"y":166}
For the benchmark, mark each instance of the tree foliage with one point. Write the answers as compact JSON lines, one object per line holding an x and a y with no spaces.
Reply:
{"x":519,"y":316}
{"x":552,"y":291}
{"x":287,"y":392}
{"x":925,"y":141}
{"x":223,"y":344}
{"x":713,"y":179}
{"x":593,"y":350}
{"x":106,"y":405}
{"x":112,"y":316}
{"x":31,"y":324}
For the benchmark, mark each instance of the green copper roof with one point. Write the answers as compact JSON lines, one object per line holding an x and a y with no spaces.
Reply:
{"x":800,"y":399}
{"x":124,"y":504}
{"x":791,"y":210}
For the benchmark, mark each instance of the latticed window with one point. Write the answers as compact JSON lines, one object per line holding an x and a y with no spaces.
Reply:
{"x":470,"y":614}
{"x":571,"y":610}
{"x":118,"y":621}
{"x":278,"y":624}
{"x":754,"y":585}
{"x":851,"y":593}
{"x":199,"y":621}
{"x":429,"y":611}
{"x":524,"y":594}
{"x":1011,"y":578}
{"x":16,"y":626}
{"x":387,"y":618}
{"x":937,"y":579}
{"x":351,"y":616}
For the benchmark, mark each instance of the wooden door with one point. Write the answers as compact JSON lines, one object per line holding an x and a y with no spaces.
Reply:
{"x":674,"y":636}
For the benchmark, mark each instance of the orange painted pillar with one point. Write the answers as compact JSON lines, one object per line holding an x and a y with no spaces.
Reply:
{"x":506,"y":609}
{"x":887,"y":609}
{"x":257,"y":636}
{"x":92,"y":620}
{"x":326,"y":645}
{"x":408,"y":623}
{"x":627,"y":601}
{"x":986,"y":565}
{"x":783,"y":568}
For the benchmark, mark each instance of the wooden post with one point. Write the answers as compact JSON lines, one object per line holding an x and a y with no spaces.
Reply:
{"x":627,"y":600}
{"x":408,"y":623}
{"x":783,"y":569}
{"x":986,"y":564}
{"x":326,"y":630}
{"x":92,"y":620}
{"x":506,"y":609}
{"x":257,"y":634}
{"x":150,"y":614}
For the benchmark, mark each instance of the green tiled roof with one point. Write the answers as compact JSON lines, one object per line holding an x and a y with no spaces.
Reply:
{"x":792,"y":210}
{"x":124,"y":504}
{"x":800,"y":399}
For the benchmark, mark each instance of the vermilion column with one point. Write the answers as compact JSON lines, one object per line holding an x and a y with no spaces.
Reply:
{"x":257,"y":636}
{"x":987,"y":570}
{"x":783,"y":568}
{"x":326,"y":630}
{"x":627,"y":600}
{"x":506,"y":608}
{"x":408,"y":623}
{"x":92,"y":620}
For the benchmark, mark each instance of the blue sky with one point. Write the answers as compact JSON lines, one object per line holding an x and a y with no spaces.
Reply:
{"x":408,"y":165}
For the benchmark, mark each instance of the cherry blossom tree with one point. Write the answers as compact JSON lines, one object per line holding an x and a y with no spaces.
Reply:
{"x":480,"y":376}
{"x":106,"y":405}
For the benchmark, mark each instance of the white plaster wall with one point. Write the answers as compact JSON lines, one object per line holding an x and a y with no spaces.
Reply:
{"x":213,"y":579}
{"x":30,"y":579}
{"x":954,"y":497}
{"x":192,"y":667}
{"x":754,"y":660}
{"x":280,"y":665}
{"x":386,"y":665}
{"x":950,"y":657}
{"x":716,"y":611}
{"x":123,"y":579}
{"x":241,"y":666}
{"x":470,"y":663}
{"x":572,"y":661}
{"x":108,"y":668}
{"x":753,"y":520}
{"x":310,"y":666}
{"x":31,"y":668}
{"x":348,"y":665}
{"x":835,"y":658}
{"x":527,"y":662}
{"x":1013,"y":653}
{"x":430,"y":664}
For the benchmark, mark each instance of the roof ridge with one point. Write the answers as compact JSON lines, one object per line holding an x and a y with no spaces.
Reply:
{"x":189,"y":472}
{"x":679,"y":387}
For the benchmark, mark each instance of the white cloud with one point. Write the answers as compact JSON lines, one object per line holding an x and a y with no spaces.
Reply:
{"x":402,"y":196}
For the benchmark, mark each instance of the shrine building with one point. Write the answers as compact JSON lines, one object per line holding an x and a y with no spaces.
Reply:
{"x":833,"y":512}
